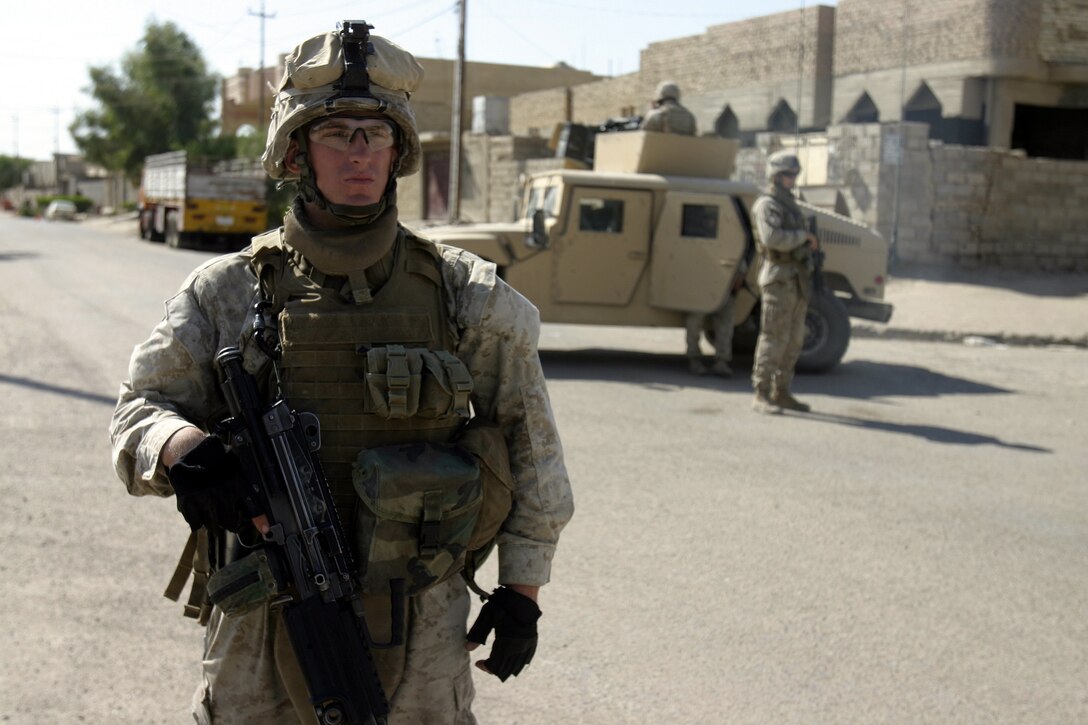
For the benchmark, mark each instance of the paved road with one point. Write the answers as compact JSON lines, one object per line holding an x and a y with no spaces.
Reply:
{"x":912,"y":552}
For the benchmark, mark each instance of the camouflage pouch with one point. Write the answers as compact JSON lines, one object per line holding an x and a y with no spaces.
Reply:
{"x":405,"y":382}
{"x":420,"y":504}
{"x":485,"y":441}
{"x":244,"y":585}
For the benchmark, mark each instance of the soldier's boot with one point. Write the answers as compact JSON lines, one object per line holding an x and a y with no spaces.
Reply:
{"x":783,"y":399}
{"x":721,"y":368}
{"x":762,"y":403}
{"x":696,"y":366}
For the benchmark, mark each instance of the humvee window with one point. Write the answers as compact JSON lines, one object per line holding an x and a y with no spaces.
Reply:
{"x":546,"y":198}
{"x":600,"y":215}
{"x":699,"y":220}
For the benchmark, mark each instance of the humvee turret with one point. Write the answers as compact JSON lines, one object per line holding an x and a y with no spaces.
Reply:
{"x":656,"y":230}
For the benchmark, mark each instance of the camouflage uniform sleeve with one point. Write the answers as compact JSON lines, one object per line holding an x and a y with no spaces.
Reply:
{"x":769,"y":222}
{"x":171,"y":383}
{"x":654,"y":121}
{"x":499,"y":330}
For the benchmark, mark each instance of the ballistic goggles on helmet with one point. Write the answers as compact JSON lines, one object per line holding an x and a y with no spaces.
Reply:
{"x":339,"y":133}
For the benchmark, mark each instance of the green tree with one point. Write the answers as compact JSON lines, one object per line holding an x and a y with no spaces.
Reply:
{"x":11,"y":171}
{"x":161,"y":100}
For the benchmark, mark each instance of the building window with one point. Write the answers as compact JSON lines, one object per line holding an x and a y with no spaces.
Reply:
{"x":782,"y":118}
{"x":863,"y":111}
{"x":727,"y":125}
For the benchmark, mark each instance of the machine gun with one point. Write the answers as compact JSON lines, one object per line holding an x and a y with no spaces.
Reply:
{"x":308,"y":552}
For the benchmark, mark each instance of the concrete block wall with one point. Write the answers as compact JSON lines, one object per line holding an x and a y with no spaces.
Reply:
{"x":869,"y":34}
{"x":491,"y":173}
{"x":1064,"y":34}
{"x":589,"y":103}
{"x":1037,"y":214}
{"x":963,"y":205}
{"x":537,"y":113}
{"x":738,"y":62}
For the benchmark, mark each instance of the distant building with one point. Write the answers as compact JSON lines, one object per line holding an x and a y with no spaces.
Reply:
{"x":1003,"y":73}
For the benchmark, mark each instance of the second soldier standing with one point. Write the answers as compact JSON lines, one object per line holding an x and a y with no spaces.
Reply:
{"x":785,"y":283}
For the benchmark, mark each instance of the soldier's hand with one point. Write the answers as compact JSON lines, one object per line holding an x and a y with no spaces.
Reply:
{"x":208,"y":482}
{"x":812,"y":242}
{"x":513,"y":616}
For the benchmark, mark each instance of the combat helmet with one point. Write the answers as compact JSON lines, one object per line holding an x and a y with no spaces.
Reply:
{"x":341,"y":72}
{"x":667,"y":90}
{"x":782,"y":162}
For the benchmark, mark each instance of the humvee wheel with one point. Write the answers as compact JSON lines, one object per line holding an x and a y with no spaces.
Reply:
{"x":827,"y":333}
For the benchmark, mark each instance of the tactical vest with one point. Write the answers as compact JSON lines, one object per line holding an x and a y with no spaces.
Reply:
{"x":378,"y":373}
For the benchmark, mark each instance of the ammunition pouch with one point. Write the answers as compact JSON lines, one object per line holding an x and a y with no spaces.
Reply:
{"x":428,"y":508}
{"x":407,"y":382}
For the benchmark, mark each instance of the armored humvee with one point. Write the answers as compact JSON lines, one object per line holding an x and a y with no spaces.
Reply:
{"x":656,"y":230}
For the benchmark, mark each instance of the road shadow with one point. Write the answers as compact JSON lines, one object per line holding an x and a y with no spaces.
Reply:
{"x":639,"y":368}
{"x":866,"y":379}
{"x":15,"y":256}
{"x":58,"y":390}
{"x":855,"y":379}
{"x":932,"y":433}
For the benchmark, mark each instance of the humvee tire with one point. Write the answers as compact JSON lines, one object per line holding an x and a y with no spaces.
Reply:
{"x":827,"y":333}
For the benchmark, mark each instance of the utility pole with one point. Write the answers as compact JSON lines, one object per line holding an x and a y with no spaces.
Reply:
{"x":455,"y":122}
{"x":262,"y":111}
{"x":800,"y":75}
{"x":900,"y":151}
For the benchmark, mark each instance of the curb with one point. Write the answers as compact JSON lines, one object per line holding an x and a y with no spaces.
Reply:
{"x":980,"y":339}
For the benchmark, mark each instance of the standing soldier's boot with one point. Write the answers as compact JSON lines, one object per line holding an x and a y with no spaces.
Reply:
{"x":782,"y":398}
{"x":762,"y":403}
{"x":721,"y":368}
{"x":696,"y":366}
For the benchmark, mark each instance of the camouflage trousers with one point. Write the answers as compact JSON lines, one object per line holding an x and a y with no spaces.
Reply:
{"x":721,"y":326}
{"x":781,"y":333}
{"x":251,"y":675}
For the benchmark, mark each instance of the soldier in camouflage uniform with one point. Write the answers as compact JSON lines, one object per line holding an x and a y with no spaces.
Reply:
{"x":351,"y":292}
{"x":667,"y":115}
{"x":785,"y":282}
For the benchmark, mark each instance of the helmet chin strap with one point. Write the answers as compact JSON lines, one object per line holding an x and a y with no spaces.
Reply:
{"x":348,"y":213}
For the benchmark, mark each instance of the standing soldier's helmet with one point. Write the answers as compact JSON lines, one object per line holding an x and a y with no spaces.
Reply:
{"x":342,"y":73}
{"x":667,"y":90}
{"x":782,"y":162}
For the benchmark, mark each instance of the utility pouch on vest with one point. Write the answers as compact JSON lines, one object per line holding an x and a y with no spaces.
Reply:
{"x":404,"y":382}
{"x":485,"y":441}
{"x":244,"y":585}
{"x":420,"y":504}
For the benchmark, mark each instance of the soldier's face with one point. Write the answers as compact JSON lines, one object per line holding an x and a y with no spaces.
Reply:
{"x":349,"y":159}
{"x":787,"y":180}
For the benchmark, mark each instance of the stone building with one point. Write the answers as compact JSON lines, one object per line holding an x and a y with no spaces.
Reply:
{"x":1001,"y":73}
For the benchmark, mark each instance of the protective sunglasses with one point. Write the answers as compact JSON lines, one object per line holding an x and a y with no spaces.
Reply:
{"x":339,"y":133}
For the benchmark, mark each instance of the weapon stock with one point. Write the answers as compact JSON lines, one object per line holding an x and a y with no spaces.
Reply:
{"x":817,"y":259}
{"x":322,"y":610}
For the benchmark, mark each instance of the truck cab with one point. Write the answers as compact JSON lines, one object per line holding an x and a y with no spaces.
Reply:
{"x":656,"y":230}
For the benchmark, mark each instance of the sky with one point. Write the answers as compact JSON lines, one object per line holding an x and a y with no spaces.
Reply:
{"x":46,"y":48}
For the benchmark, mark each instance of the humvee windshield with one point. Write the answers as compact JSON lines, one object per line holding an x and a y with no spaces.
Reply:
{"x":543,"y":197}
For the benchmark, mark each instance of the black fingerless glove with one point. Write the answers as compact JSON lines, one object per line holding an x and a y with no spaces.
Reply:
{"x":208,"y":484}
{"x":513,"y":616}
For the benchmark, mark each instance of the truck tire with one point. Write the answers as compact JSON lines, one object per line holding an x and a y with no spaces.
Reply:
{"x":144,"y":227}
{"x":174,"y":238}
{"x":827,"y":333}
